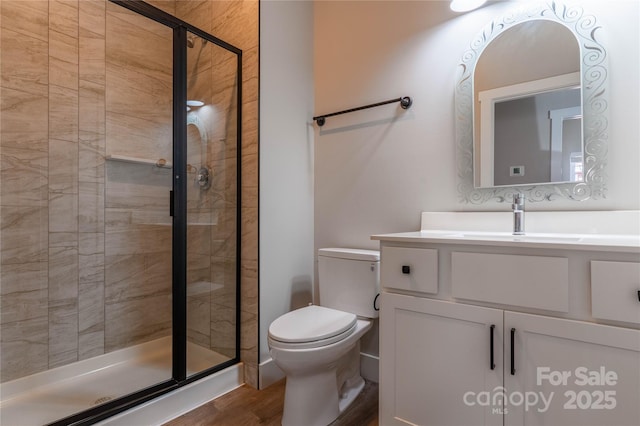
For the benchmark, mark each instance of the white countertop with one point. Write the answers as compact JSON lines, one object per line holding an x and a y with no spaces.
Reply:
{"x":614,"y":231}
{"x":589,"y":242}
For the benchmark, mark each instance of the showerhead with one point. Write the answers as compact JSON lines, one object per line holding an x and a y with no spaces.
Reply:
{"x":191,"y":41}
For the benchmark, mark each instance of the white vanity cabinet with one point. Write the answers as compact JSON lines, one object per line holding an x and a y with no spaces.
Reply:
{"x":561,"y":355}
{"x":433,"y":352}
{"x":570,"y":372}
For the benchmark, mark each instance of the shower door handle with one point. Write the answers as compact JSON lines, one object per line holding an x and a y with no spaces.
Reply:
{"x":171,"y":203}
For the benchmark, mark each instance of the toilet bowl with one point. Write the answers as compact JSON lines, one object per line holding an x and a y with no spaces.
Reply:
{"x":323,"y":373}
{"x":318,"y":347}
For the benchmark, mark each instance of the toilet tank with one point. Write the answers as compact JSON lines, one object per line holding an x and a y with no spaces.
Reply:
{"x":349,"y":280}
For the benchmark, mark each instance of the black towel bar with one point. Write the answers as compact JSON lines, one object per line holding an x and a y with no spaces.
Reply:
{"x":405,"y":103}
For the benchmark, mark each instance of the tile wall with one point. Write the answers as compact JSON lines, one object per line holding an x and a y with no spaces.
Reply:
{"x":212,"y":232}
{"x":236,"y":22}
{"x":78,"y":230}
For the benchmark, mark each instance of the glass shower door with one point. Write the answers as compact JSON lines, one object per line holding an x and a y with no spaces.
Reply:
{"x":212,"y":195}
{"x":138,"y":224}
{"x":86,"y":153}
{"x":94,"y":317}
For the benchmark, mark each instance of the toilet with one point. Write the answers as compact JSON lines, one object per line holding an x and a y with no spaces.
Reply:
{"x":318,"y":347}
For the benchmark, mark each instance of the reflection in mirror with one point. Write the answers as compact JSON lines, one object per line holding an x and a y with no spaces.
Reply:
{"x":527,"y":51}
{"x":526,"y":131}
{"x":531,"y":104}
{"x":526,"y":73}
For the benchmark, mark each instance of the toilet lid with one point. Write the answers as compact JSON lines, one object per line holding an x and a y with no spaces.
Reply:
{"x":310,"y":323}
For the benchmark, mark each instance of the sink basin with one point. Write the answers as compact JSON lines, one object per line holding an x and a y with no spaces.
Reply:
{"x":506,"y":236}
{"x":534,"y":237}
{"x":559,"y":238}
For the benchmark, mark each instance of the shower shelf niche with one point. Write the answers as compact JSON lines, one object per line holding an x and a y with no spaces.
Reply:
{"x":160,"y":163}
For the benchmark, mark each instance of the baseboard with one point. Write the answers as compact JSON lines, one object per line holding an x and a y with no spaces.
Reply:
{"x":369,"y":367}
{"x":269,"y":372}
{"x":180,"y":401}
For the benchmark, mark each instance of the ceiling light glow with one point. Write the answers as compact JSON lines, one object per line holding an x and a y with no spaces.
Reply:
{"x":466,"y":5}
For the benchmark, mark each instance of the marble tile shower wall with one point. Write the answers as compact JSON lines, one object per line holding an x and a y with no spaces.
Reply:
{"x":138,"y":110}
{"x":211,"y":242}
{"x":237,"y":23}
{"x":52,"y":90}
{"x":68,"y":218}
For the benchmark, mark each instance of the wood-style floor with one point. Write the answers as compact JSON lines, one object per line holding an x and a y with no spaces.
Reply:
{"x":246,"y":406}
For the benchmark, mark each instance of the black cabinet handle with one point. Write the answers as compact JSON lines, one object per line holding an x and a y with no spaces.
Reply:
{"x":638,"y":295}
{"x":492,"y":365}
{"x":406,"y":269}
{"x":513,"y":352}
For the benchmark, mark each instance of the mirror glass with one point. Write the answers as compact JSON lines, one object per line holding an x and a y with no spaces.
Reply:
{"x":532,"y":107}
{"x":528,"y":107}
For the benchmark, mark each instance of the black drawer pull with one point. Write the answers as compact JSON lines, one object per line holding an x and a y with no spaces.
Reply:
{"x":492,"y":364}
{"x":638,"y":295}
{"x":406,"y":269}
{"x":513,"y":352}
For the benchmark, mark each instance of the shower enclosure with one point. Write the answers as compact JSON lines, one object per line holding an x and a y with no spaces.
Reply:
{"x":119,"y":192}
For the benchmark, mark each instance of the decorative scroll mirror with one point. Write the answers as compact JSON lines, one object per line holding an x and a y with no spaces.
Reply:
{"x":531,"y":108}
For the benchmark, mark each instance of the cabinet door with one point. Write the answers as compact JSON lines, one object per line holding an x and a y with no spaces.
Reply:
{"x":435,"y":362}
{"x":570,"y":372}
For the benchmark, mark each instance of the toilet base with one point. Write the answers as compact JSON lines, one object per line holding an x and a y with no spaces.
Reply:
{"x":311,"y":400}
{"x":318,"y":399}
{"x":322,"y":381}
{"x":350,"y":392}
{"x":315,"y":402}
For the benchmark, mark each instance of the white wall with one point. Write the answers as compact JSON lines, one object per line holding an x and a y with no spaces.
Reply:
{"x":376,"y":170}
{"x":286,"y":160}
{"x":376,"y":174}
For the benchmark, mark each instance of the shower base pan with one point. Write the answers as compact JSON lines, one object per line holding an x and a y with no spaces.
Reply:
{"x":57,"y":393}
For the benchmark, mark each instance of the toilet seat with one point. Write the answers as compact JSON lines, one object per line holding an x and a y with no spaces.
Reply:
{"x":273,"y":343}
{"x":310,"y":327}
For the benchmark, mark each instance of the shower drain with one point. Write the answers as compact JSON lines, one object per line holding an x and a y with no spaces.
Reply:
{"x":102,"y":400}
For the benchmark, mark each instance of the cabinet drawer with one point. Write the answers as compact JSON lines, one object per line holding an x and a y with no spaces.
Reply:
{"x":528,"y":281}
{"x":614,"y":291}
{"x":409,"y":269}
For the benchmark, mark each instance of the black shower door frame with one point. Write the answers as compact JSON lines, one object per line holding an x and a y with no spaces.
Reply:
{"x":178,"y":207}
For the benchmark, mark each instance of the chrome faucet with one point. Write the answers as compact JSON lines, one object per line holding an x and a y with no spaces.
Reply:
{"x":518,"y":214}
